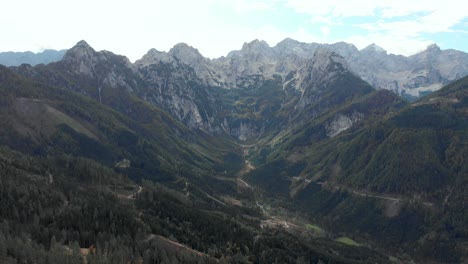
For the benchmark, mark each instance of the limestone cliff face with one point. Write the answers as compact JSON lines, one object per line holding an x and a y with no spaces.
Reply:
{"x":320,"y":72}
{"x":257,"y":61}
{"x":342,"y":122}
{"x":106,"y":68}
{"x":175,"y":87}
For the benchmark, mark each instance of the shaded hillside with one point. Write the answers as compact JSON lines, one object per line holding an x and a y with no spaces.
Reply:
{"x":399,"y":179}
{"x":43,"y":120}
{"x":419,"y":150}
{"x":67,"y":165}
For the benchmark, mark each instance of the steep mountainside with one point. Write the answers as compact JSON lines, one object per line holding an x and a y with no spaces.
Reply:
{"x":47,"y":120}
{"x":400,"y":179}
{"x":267,"y":155}
{"x":89,"y":170}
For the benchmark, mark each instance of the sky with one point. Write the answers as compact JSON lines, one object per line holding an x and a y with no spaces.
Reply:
{"x":215,"y":27}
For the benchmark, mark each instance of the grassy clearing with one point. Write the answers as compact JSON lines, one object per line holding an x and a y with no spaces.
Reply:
{"x":315,"y":228}
{"x":348,"y":241}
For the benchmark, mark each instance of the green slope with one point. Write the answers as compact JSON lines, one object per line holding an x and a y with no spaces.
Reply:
{"x":44,"y":120}
{"x":61,"y":193}
{"x":397,"y":179}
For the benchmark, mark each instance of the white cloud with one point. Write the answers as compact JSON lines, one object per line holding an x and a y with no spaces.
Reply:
{"x":401,"y":26}
{"x":250,"y":5}
{"x":334,"y":8}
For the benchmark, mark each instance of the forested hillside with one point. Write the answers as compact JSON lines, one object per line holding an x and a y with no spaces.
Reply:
{"x":178,"y":159}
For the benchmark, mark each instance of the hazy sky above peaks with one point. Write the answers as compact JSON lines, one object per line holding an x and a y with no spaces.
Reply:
{"x":216,"y":27}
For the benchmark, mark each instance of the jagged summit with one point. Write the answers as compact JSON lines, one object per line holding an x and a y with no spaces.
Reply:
{"x":154,"y":56}
{"x":324,"y":58}
{"x":82,"y":43}
{"x":241,"y":68}
{"x":254,"y":47}
{"x":186,"y":53}
{"x":433,"y":48}
{"x":82,"y":50}
{"x":288,"y":42}
{"x":255,"y":44}
{"x":374,"y":48}
{"x":323,"y":79}
{"x":324,"y":66}
{"x":184,"y":47}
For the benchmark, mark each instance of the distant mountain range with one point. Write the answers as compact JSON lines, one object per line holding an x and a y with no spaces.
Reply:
{"x":271,"y":154}
{"x":411,"y":76}
{"x":28,"y":57}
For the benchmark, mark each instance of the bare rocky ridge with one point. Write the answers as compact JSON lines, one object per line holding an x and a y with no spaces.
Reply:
{"x":184,"y":83}
{"x":426,"y":71}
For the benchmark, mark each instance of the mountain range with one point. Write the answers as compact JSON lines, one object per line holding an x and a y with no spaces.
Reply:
{"x":411,"y":76}
{"x":28,"y":57}
{"x":268,"y":154}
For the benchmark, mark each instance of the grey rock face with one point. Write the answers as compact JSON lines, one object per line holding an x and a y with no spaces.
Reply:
{"x":103,"y":68}
{"x":322,"y":69}
{"x":342,"y":122}
{"x":171,"y":86}
{"x":257,"y":62}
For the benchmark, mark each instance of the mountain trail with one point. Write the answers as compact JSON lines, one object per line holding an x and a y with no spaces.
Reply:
{"x":372,"y":195}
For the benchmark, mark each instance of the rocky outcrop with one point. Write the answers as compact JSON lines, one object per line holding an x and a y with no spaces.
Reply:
{"x":175,"y":87}
{"x":320,"y":72}
{"x":342,"y":122}
{"x":101,"y":70}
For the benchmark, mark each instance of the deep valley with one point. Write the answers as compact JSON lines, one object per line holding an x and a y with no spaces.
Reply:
{"x":298,"y":153}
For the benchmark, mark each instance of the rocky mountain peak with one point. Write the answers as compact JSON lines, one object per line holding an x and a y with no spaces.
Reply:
{"x":290,"y":47}
{"x":433,"y":48}
{"x":347,"y":50}
{"x":374,"y":48}
{"x":288,"y":42}
{"x":322,"y":68}
{"x":82,"y":43}
{"x":154,"y":56}
{"x":188,"y":54}
{"x":82,"y":58}
{"x":255,"y":45}
{"x":324,"y":58}
{"x":82,"y":50}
